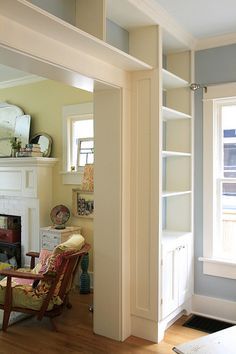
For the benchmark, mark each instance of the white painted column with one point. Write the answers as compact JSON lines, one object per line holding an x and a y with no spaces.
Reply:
{"x":145,"y":205}
{"x":108,"y":214}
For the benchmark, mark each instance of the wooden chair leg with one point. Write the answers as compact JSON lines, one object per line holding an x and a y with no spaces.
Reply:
{"x":7,"y":305}
{"x":53,"y":324}
{"x":67,"y":302}
{"x":6,"y":317}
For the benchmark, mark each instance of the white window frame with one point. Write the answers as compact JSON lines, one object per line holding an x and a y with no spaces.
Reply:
{"x":211,"y":102}
{"x":81,"y":111}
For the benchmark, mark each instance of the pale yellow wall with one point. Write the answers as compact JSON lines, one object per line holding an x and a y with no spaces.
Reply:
{"x":43,"y":101}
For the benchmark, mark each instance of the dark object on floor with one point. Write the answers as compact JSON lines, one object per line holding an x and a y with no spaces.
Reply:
{"x":205,"y":324}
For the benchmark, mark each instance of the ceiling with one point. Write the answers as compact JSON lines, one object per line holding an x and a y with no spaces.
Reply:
{"x":203,"y":18}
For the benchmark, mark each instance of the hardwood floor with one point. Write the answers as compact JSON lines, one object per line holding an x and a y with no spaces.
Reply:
{"x":76,"y":336}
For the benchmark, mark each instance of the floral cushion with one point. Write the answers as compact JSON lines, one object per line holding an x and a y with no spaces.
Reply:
{"x":72,"y":245}
{"x":24,"y":294}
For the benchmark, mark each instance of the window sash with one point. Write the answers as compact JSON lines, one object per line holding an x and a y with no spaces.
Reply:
{"x":214,"y":176}
{"x":80,"y":152}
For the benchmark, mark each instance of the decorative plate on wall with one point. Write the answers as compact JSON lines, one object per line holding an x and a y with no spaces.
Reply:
{"x":60,"y":214}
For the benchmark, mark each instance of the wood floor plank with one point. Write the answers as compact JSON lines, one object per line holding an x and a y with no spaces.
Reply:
{"x":76,"y":335}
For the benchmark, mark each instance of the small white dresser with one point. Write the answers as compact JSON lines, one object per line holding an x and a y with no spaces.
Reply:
{"x":51,"y":237}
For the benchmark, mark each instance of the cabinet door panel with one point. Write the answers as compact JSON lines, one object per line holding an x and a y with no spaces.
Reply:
{"x":184,"y":256}
{"x":169,"y":282}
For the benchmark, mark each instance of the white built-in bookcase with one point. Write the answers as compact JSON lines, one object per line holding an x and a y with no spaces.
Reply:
{"x":176,"y":142}
{"x":176,"y":190}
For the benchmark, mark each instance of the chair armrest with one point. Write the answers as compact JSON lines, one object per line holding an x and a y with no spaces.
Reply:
{"x":23,"y":275}
{"x":33,"y":255}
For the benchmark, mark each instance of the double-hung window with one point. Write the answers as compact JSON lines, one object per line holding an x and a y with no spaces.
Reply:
{"x":219,"y":181}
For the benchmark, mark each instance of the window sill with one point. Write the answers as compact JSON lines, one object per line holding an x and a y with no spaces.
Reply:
{"x":218,"y":267}
{"x":72,"y":177}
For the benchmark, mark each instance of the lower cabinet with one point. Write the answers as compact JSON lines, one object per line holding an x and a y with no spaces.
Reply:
{"x":176,"y":273}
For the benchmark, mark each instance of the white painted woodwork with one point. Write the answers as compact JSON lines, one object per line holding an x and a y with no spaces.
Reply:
{"x":211,"y":307}
{"x":169,"y":113}
{"x":172,"y":81}
{"x":43,"y":23}
{"x":174,"y":129}
{"x":213,"y":264}
{"x":128,"y":182}
{"x":26,"y":191}
{"x":178,"y":173}
{"x":178,"y":211}
{"x":140,"y":47}
{"x":60,"y":58}
{"x":174,"y":154}
{"x":177,"y":183}
{"x":174,"y":193}
{"x":145,"y":205}
{"x":126,"y":212}
{"x":91,"y":17}
{"x":176,"y":272}
{"x":108,"y":216}
{"x":169,"y":299}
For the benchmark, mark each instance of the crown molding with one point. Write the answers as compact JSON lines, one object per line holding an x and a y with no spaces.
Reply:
{"x":25,"y":80}
{"x":161,"y":17}
{"x":217,"y":41}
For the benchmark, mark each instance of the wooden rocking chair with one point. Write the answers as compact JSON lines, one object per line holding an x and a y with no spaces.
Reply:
{"x":44,"y":293}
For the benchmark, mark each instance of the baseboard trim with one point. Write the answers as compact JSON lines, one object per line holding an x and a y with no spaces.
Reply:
{"x":211,"y":307}
{"x":144,"y":328}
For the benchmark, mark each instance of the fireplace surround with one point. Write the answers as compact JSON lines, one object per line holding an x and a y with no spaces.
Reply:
{"x":26,"y":191}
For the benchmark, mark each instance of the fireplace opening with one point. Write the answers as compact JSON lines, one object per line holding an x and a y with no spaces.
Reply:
{"x":10,"y":240}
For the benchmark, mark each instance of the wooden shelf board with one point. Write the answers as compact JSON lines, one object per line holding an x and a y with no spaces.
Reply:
{"x":174,"y":193}
{"x":43,"y":22}
{"x":166,"y":153}
{"x":172,"y":81}
{"x":169,"y":113}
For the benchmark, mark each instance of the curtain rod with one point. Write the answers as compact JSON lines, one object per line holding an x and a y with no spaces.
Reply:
{"x":194,"y":86}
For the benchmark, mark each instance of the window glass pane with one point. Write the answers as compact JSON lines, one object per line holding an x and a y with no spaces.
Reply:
{"x":85,"y":152}
{"x":83,"y":128}
{"x":229,"y":140}
{"x":82,"y":160}
{"x":86,"y":144}
{"x":90,"y":158}
{"x":228,"y":221}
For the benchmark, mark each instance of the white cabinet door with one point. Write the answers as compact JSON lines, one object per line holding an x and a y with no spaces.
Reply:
{"x":169,"y":281}
{"x":184,"y":254}
{"x":176,"y":275}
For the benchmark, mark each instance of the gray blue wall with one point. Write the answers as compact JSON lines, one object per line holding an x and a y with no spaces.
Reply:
{"x":212,"y":66}
{"x":60,"y":8}
{"x":117,"y":36}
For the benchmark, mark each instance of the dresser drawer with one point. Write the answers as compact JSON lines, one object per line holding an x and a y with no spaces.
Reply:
{"x":51,"y":237}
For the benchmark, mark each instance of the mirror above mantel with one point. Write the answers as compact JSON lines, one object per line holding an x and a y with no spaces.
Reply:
{"x":13,"y":123}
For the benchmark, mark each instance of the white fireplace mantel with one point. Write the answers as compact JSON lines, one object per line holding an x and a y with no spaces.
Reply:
{"x":27,"y":161}
{"x":26,"y":191}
